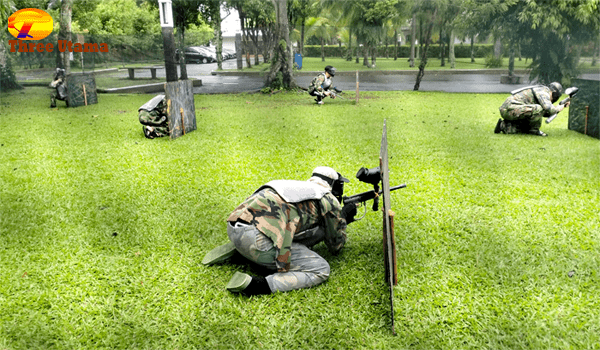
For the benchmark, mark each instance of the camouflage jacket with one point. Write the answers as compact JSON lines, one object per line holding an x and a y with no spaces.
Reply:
{"x":540,"y":95}
{"x":318,"y":82}
{"x":280,"y":220}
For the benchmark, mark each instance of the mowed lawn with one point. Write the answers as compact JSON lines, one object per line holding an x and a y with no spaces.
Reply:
{"x":102,"y":231}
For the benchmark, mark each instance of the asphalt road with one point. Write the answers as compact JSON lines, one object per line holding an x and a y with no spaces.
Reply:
{"x":484,"y":81}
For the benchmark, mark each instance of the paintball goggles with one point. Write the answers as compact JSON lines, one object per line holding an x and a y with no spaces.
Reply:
{"x":572,"y":91}
{"x":373,"y":177}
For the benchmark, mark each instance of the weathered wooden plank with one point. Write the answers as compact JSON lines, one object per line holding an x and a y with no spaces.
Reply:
{"x":181,"y":110}
{"x":389,"y":245}
{"x":77,"y":94}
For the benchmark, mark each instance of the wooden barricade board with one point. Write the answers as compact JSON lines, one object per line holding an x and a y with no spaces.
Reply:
{"x":81,"y":90}
{"x":181,"y":110}
{"x":389,"y":245}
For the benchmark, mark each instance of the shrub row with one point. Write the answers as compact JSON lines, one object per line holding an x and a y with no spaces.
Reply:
{"x":460,"y":51}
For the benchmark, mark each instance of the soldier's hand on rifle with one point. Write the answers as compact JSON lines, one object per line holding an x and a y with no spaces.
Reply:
{"x":349,"y":212}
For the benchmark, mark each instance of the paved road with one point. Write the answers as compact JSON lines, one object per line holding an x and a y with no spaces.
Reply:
{"x":446,"y":81}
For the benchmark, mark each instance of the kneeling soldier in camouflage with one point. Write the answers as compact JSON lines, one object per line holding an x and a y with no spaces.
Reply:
{"x":319,"y":86}
{"x":524,"y":109}
{"x":153,"y":115}
{"x":277,"y":226}
{"x":60,"y":88}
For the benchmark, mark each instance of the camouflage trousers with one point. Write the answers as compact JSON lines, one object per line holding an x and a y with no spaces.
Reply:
{"x":307,"y":268}
{"x":155,"y":123}
{"x":524,"y":118}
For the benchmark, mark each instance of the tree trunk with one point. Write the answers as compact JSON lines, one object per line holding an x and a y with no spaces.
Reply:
{"x":473,"y":48}
{"x":63,"y":59}
{"x":282,"y":60}
{"x":424,"y":56}
{"x":322,"y":49}
{"x":442,"y":47}
{"x":301,"y":44}
{"x":511,"y":60}
{"x":365,"y":55}
{"x":374,"y":57}
{"x":182,"y":66}
{"x":245,"y":40}
{"x":498,"y":48}
{"x":595,"y":53}
{"x":413,"y":34}
{"x":349,"y":54}
{"x":395,"y":44}
{"x":218,"y":36}
{"x":451,"y":50}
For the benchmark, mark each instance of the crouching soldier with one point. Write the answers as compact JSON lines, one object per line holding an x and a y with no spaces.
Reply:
{"x":276,"y":228}
{"x":153,"y":117}
{"x":60,"y":88}
{"x":319,"y":87}
{"x":522,"y":112}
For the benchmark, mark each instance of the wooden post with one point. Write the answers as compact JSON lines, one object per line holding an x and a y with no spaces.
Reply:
{"x":587,"y":111}
{"x":182,"y":119}
{"x":84,"y":95}
{"x":356,"y":87}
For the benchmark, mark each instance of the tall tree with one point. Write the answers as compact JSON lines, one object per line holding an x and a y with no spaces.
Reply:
{"x":8,"y":79}
{"x":185,"y":13}
{"x":63,"y":59}
{"x":432,"y":8}
{"x":281,"y":72}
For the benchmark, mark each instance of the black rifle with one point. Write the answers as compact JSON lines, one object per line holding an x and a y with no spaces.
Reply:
{"x":336,"y":93}
{"x":373,"y":177}
{"x":367,"y":196}
{"x":572,"y":91}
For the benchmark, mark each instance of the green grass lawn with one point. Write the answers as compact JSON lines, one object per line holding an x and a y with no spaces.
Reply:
{"x":102,"y":231}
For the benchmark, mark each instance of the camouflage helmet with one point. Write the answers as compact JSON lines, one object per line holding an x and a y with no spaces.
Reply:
{"x":330,"y":70}
{"x":557,"y":90}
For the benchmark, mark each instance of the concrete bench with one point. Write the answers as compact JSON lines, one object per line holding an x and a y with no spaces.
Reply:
{"x":152,"y":70}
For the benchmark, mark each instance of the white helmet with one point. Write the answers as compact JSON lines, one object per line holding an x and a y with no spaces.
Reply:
{"x":329,"y":178}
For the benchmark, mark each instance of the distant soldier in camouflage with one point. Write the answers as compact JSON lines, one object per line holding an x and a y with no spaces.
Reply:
{"x":60,"y":88}
{"x":153,"y":115}
{"x":319,"y":87}
{"x":277,"y":226}
{"x":523,"y":110}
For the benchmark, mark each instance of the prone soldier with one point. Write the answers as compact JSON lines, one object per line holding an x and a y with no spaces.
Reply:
{"x":60,"y":88}
{"x":522,"y":112}
{"x":153,"y":117}
{"x":277,"y":226}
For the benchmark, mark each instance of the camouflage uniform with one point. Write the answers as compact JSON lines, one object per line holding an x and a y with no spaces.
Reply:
{"x":154,"y":119}
{"x":276,"y":234}
{"x":525,"y":109}
{"x":320,"y":84}
{"x":60,"y":88}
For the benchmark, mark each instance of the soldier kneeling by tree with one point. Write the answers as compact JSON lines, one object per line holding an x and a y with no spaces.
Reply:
{"x":153,"y":116}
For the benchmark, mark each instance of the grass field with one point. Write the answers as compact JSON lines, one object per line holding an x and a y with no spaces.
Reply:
{"x":102,"y":231}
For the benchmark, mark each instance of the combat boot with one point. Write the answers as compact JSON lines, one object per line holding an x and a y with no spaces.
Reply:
{"x":219,"y":254}
{"x":537,"y":133}
{"x":148,"y":132}
{"x":499,"y":126}
{"x":248,"y":285}
{"x":52,"y":102}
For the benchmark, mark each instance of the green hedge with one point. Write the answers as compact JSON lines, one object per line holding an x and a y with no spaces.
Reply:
{"x":460,"y":51}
